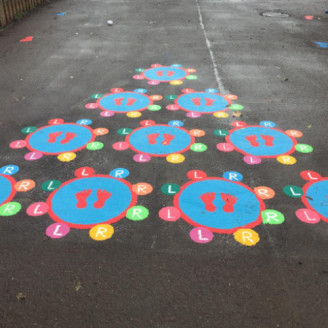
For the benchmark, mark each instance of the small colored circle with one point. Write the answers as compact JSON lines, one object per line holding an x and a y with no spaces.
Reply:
{"x":146,"y":123}
{"x":141,"y":158}
{"x":154,"y":108}
{"x":172,"y":107}
{"x":221,"y":115}
{"x":231,"y":97}
{"x":84,"y":121}
{"x":170,"y":189}
{"x":142,"y":188}
{"x":246,"y":237}
{"x":236,"y":107}
{"x":221,"y":133}
{"x":91,"y":106}
{"x":133,"y":114}
{"x":56,"y":121}
{"x":212,"y":90}
{"x":224,"y":146}
{"x":120,"y":146}
{"x":198,"y":147}
{"x":178,"y":82}
{"x":24,"y":185}
{"x":252,"y":160}
{"x":153,"y":82}
{"x":101,"y":232}
{"x":29,"y":129}
{"x":294,"y":133}
{"x":264,"y":192}
{"x":196,"y":175}
{"x":107,"y":113}
{"x":272,"y":217}
{"x":175,"y":158}
{"x":233,"y":176}
{"x":100,"y":131}
{"x":10,"y":209}
{"x":124,"y":131}
{"x":194,"y":114}
{"x":33,"y":156}
{"x":286,"y":159}
{"x":191,"y":77}
{"x":201,"y":235}
{"x":156,"y":97}
{"x":50,"y":185}
{"x":197,"y":133}
{"x":120,"y":173}
{"x":66,"y":157}
{"x":57,"y":230}
{"x":303,"y":148}
{"x":293,"y":191}
{"x":37,"y":209}
{"x":176,"y":123}
{"x":17,"y":144}
{"x":239,"y":124}
{"x":169,"y":214}
{"x":310,"y":175}
{"x":9,"y":169}
{"x":83,"y":172}
{"x":137,"y":213}
{"x":139,"y":70}
{"x":171,"y":97}
{"x":95,"y":145}
{"x":307,"y":216}
{"x":96,"y":95}
{"x":268,"y":124}
{"x":140,"y":90}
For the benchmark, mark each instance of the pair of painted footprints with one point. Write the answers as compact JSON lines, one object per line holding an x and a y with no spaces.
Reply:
{"x":102,"y":196}
{"x":197,"y":101}
{"x":167,"y":138}
{"x":52,"y":137}
{"x":252,"y":139}
{"x":209,"y":197}
{"x":129,"y":102}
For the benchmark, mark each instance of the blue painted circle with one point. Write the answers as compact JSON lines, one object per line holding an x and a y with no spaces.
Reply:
{"x":233,"y":176}
{"x":169,"y":140}
{"x":281,"y":143}
{"x":212,"y":90}
{"x":246,"y":210}
{"x":124,"y":102}
{"x":120,"y":173}
{"x":165,"y":74}
{"x":64,"y":201}
{"x":9,"y":169}
{"x":84,"y":121}
{"x":176,"y":123}
{"x":316,"y":196}
{"x":268,"y":124}
{"x":140,"y":90}
{"x":5,"y":189}
{"x":39,"y":140}
{"x":202,"y":102}
{"x":176,"y":65}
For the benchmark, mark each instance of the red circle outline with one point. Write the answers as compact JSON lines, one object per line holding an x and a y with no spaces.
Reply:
{"x":305,"y":201}
{"x":292,"y":150}
{"x":13,"y":191}
{"x":226,"y":231}
{"x":210,"y":93}
{"x":129,"y":111}
{"x":192,"y":139}
{"x":93,"y":137}
{"x":183,"y":78}
{"x":87,"y":226}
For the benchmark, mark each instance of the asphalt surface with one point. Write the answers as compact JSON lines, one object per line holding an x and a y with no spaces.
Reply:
{"x":151,"y":274}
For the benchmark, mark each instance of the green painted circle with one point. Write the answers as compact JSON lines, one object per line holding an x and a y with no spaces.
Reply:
{"x":124,"y":131}
{"x":221,"y":132}
{"x":95,"y":145}
{"x":191,"y":77}
{"x":170,"y":189}
{"x":97,"y":96}
{"x":198,"y":147}
{"x":293,"y":191}
{"x":137,"y":213}
{"x":272,"y":217}
{"x":303,"y":148}
{"x":154,"y":108}
{"x":171,"y":97}
{"x":50,"y":185}
{"x":29,"y":129}
{"x":139,"y":70}
{"x":236,"y":107}
{"x":10,"y":209}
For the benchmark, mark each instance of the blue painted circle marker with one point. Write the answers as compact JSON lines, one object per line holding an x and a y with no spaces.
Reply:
{"x":7,"y":191}
{"x":124,"y":102}
{"x":120,"y":173}
{"x":84,"y":121}
{"x":176,"y":123}
{"x":60,"y":138}
{"x":261,"y":142}
{"x":176,"y":65}
{"x":160,"y":140}
{"x":315,"y":197}
{"x":9,"y":169}
{"x":219,"y":205}
{"x":165,"y":74}
{"x":212,"y":90}
{"x":85,"y":202}
{"x":202,"y":102}
{"x":268,"y":124}
{"x":140,"y":90}
{"x":233,"y":176}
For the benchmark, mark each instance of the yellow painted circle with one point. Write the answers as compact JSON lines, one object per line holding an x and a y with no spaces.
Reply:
{"x":221,"y":114}
{"x":247,"y":237}
{"x":101,"y":232}
{"x":286,"y":159}
{"x":66,"y":157}
{"x":133,"y":114}
{"x":176,"y":82}
{"x":175,"y":158}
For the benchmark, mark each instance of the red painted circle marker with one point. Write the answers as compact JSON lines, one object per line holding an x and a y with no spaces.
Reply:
{"x":196,"y":175}
{"x":84,"y":172}
{"x":310,"y":175}
{"x":169,"y":213}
